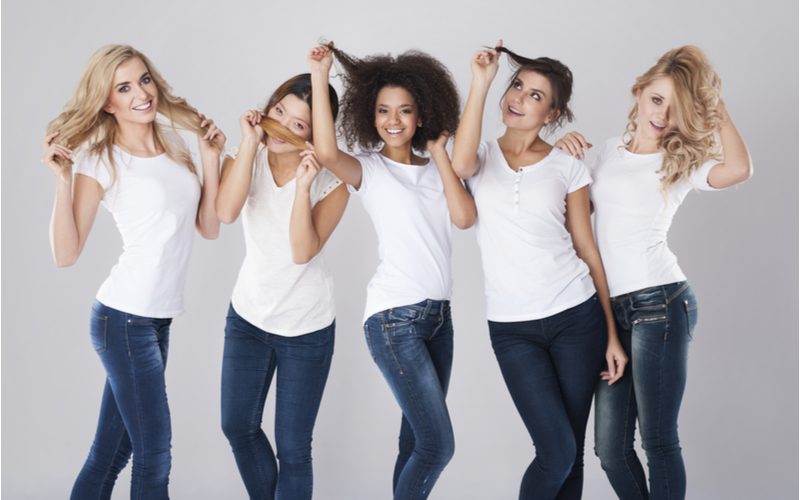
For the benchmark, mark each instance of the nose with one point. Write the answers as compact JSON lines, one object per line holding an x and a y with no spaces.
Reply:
{"x":142,"y":94}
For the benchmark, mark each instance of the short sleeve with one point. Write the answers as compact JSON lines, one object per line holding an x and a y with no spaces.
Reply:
{"x":578,"y":175}
{"x":324,"y":184}
{"x":369,"y":162}
{"x":699,"y":178}
{"x":482,"y":155}
{"x":92,"y":165}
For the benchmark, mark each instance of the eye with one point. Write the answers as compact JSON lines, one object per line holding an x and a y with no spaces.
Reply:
{"x":536,"y":96}
{"x":657,"y":101}
{"x":407,"y":111}
{"x":278,"y":110}
{"x":124,"y":88}
{"x":517,"y":84}
{"x":299,"y":126}
{"x":382,"y":110}
{"x":146,"y":80}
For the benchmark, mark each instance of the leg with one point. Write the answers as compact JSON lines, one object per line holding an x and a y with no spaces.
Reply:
{"x":247,"y":367}
{"x":577,"y":352}
{"x":398,"y":339}
{"x":303,"y":364}
{"x":522,"y":353}
{"x":660,"y":350}
{"x":615,"y":426}
{"x":440,"y":348}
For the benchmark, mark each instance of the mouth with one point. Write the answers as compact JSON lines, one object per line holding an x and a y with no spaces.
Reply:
{"x":144,"y":107}
{"x":657,"y":127}
{"x":276,"y":140}
{"x":391,"y":132}
{"x":513,"y":111}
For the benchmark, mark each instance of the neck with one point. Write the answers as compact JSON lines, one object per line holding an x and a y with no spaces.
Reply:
{"x":137,"y":137}
{"x":518,"y":142}
{"x":643,"y":145}
{"x":402,"y":154}
{"x":284,"y":161}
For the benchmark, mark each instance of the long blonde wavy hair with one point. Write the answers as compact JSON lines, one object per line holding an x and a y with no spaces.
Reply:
{"x":696,"y":106}
{"x":83,"y":122}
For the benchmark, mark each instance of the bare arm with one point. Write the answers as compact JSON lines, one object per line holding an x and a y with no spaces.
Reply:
{"x":468,"y":136}
{"x":237,"y":173}
{"x":460,"y":203}
{"x":309,"y":228}
{"x":579,"y":226}
{"x":737,"y":166}
{"x":344,"y":166}
{"x":211,"y":145}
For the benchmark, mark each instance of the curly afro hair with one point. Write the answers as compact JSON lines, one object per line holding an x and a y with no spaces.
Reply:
{"x":425,"y":78}
{"x":556,"y":72}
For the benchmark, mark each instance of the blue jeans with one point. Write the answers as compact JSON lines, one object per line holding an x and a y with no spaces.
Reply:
{"x":655,"y":326}
{"x":251,"y":357}
{"x":134,"y":415}
{"x":550,"y":367}
{"x":413,"y":348}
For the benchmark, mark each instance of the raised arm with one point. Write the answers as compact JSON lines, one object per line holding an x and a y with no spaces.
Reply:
{"x":75,"y":206}
{"x":237,"y":173}
{"x":460,"y":203}
{"x":737,"y":166}
{"x":212,"y":143}
{"x":579,"y":226}
{"x":468,"y":136}
{"x":309,"y":228}
{"x":344,"y":166}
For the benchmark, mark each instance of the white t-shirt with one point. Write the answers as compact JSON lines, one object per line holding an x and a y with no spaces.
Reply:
{"x":633,"y":216}
{"x":154,"y":204}
{"x":530,"y":266}
{"x":272,"y":292}
{"x":409,"y":211}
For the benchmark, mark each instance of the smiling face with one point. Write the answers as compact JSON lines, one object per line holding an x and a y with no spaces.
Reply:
{"x":396,"y":116}
{"x":528,"y":102}
{"x":656,"y":105}
{"x":294,"y":114}
{"x":134,"y":95}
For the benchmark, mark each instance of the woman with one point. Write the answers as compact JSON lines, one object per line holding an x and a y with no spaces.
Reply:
{"x":403,"y":105}
{"x":143,"y":173}
{"x":670,"y":147}
{"x":281,"y":315}
{"x":548,"y":308}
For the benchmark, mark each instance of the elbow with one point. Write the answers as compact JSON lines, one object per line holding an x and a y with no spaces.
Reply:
{"x":62,"y":261}
{"x":224,"y":214}
{"x":210,"y":233}
{"x":302,"y":258}
{"x":464,"y":220}
{"x":463,"y":171}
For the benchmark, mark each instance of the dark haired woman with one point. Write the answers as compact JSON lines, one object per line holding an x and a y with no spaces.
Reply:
{"x":403,"y":104}
{"x":669,"y":148}
{"x":281,"y":315}
{"x":547,"y":301}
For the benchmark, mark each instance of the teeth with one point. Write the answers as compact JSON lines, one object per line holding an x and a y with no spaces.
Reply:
{"x":511,"y":108}
{"x":143,"y":107}
{"x":394,"y":130}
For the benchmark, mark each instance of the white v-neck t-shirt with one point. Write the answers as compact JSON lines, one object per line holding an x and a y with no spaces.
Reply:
{"x":408,"y":208}
{"x":530,"y":266}
{"x":632,"y":216}
{"x":272,"y":292}
{"x":153,"y":201}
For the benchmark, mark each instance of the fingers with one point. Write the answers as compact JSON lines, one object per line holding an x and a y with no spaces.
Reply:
{"x":499,"y":43}
{"x":612,"y":366}
{"x":49,"y":138}
{"x":573,"y":144}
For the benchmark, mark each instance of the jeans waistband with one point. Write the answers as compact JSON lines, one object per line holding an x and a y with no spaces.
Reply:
{"x":671,"y":290}
{"x":428,"y":307}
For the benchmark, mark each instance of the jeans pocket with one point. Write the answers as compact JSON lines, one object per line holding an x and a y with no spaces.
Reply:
{"x":401,"y":316}
{"x":690,"y":306}
{"x":98,"y":331}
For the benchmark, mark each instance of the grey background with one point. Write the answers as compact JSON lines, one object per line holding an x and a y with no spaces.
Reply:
{"x":739,"y":247}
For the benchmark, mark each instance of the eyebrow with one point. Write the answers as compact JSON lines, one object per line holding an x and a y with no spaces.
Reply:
{"x":518,"y":79}
{"x":408,"y":105}
{"x":128,"y":83}
{"x":657,"y":95}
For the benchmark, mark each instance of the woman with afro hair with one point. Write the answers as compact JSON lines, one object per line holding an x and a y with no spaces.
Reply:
{"x":549,"y":313}
{"x":403,"y":105}
{"x":677,"y":133}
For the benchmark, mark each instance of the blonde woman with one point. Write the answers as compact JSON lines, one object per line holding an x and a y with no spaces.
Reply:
{"x":142,"y":172}
{"x":679,"y":137}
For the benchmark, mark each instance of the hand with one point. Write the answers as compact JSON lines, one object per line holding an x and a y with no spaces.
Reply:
{"x":573,"y":144}
{"x":51,"y":153}
{"x":249,"y":124}
{"x":320,"y":58}
{"x":439,"y":143}
{"x":213,"y":141}
{"x":307,"y":170}
{"x":616,"y":360}
{"x":485,"y":64}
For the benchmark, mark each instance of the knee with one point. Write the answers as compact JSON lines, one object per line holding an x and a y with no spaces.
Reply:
{"x":659,"y":447}
{"x":236,"y":428}
{"x":293,"y":449}
{"x":438,"y":451}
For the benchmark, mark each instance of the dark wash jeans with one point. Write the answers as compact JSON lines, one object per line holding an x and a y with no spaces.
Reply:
{"x":413,"y":348}
{"x":251,"y":357}
{"x":134,"y":415}
{"x":550,"y":367}
{"x":655,"y":326}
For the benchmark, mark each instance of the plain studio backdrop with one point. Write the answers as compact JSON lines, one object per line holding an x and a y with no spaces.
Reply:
{"x":738,"y":247}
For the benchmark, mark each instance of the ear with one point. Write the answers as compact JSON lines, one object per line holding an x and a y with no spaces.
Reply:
{"x":108,"y":108}
{"x":553,"y":115}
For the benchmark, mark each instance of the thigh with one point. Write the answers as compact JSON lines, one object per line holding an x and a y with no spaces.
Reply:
{"x":615,"y":407}
{"x":440,"y":346}
{"x":532,"y":380}
{"x":303,"y":364}
{"x":248,"y":365}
